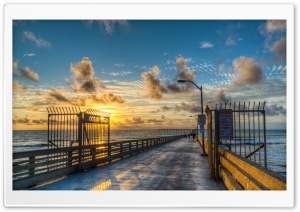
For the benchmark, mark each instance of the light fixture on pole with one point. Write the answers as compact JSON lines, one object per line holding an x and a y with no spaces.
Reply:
{"x":200,"y":88}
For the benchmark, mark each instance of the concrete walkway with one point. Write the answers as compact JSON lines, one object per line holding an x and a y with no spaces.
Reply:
{"x":174,"y":166}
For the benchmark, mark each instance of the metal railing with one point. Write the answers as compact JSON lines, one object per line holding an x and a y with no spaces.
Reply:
{"x":248,"y":129}
{"x":32,"y":167}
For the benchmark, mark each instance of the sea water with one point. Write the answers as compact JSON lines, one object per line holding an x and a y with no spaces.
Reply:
{"x":25,"y":140}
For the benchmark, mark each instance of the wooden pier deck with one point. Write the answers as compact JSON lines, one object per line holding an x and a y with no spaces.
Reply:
{"x":174,"y":166}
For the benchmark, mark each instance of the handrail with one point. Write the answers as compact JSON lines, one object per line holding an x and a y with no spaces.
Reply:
{"x":33,"y":167}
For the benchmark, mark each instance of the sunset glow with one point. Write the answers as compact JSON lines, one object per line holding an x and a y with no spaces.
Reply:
{"x":130,"y":69}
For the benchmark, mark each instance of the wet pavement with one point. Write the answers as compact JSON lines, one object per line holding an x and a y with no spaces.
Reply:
{"x":174,"y":166}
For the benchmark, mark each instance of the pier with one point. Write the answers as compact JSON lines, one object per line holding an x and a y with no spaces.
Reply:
{"x":177,"y":165}
{"x":80,"y":156}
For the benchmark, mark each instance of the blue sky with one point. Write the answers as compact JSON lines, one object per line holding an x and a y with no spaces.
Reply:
{"x":130,"y":67}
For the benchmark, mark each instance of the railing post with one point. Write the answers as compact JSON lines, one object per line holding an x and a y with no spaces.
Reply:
{"x":31,"y":161}
{"x":209,"y":138}
{"x":265,"y":139}
{"x":109,"y":152}
{"x":121,"y":150}
{"x":80,"y":152}
{"x":216,"y":145}
{"x":69,"y":162}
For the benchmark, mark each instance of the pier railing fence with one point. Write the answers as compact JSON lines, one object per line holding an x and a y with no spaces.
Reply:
{"x":77,"y":141}
{"x":239,"y":128}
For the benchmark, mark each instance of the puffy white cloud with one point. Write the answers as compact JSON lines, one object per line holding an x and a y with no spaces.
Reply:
{"x":205,"y":45}
{"x":83,"y":77}
{"x":274,"y":25}
{"x":279,"y":49}
{"x":153,"y":84}
{"x":220,"y":96}
{"x":25,"y":72}
{"x":248,"y":72}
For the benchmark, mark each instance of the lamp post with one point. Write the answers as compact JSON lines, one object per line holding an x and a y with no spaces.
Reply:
{"x":200,"y":88}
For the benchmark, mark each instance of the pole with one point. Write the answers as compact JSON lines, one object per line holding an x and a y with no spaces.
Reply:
{"x":203,"y":148}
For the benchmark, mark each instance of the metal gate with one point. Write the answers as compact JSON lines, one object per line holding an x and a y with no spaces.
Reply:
{"x":88,"y":131}
{"x":248,"y":133}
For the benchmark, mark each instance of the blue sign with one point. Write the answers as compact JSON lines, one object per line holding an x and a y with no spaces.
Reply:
{"x":201,"y":119}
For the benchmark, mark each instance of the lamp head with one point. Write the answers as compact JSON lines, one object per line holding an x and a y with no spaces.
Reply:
{"x":181,"y":81}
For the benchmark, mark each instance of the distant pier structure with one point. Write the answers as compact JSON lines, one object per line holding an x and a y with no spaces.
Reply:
{"x":176,"y":130}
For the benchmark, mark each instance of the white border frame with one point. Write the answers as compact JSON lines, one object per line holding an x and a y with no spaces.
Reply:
{"x":147,"y":198}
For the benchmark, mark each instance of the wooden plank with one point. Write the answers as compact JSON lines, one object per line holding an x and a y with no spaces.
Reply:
{"x":248,"y":182}
{"x":229,"y":181}
{"x":268,"y":178}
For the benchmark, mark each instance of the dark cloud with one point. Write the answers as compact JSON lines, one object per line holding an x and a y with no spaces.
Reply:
{"x":249,"y":72}
{"x":192,"y":108}
{"x":25,"y":72}
{"x":279,"y":49}
{"x":18,"y":87}
{"x":155,"y":87}
{"x":134,"y":121}
{"x":153,"y":84}
{"x":220,"y":96}
{"x":107,"y":99}
{"x":165,"y":108}
{"x":274,"y":110}
{"x":83,"y":77}
{"x":183,"y":73}
{"x":18,"y":120}
{"x":57,"y":96}
{"x":155,"y":121}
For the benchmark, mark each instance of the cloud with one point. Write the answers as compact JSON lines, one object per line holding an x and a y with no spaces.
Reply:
{"x":29,"y":55}
{"x":58,"y":96}
{"x":156,"y":88}
{"x":230,"y":42}
{"x":279,"y":49}
{"x":26,"y":72}
{"x":155,"y":121}
{"x":220,"y":96}
{"x":18,"y":120}
{"x":275,"y":41}
{"x":153,"y":84}
{"x":275,"y":25}
{"x":183,"y":73}
{"x":109,"y":25}
{"x":274,"y":110}
{"x":205,"y":45}
{"x":83,"y":77}
{"x":134,"y":121}
{"x":39,"y":42}
{"x":249,"y":72}
{"x":118,"y":65}
{"x":18,"y":87}
{"x":192,"y":108}
{"x":106,"y":99}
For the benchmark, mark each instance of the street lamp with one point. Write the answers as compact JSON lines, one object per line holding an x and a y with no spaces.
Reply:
{"x":200,"y":88}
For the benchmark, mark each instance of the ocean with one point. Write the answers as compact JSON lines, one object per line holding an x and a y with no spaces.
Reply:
{"x":25,"y":140}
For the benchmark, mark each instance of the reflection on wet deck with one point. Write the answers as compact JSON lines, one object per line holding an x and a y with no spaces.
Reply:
{"x":174,"y":166}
